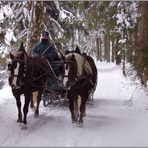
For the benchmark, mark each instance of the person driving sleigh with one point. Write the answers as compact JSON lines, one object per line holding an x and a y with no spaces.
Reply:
{"x":47,"y":49}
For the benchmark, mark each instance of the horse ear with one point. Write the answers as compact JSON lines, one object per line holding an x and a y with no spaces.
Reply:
{"x":22,"y":48}
{"x":84,"y":53}
{"x":11,"y":56}
{"x":66,"y":52}
{"x":72,"y":57}
{"x":22,"y":45}
{"x":22,"y":56}
{"x":77,"y":50}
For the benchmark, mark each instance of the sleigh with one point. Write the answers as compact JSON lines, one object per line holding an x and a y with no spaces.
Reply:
{"x":54,"y":97}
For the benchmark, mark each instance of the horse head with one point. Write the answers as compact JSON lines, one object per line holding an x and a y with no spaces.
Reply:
{"x":70,"y":70}
{"x":75,"y":69}
{"x":16,"y":68}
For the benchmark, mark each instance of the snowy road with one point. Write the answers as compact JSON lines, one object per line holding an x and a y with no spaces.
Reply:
{"x":109,"y":122}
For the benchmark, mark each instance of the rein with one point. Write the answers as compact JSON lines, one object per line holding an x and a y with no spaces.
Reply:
{"x":19,"y":60}
{"x":38,"y":77}
{"x":47,"y":72}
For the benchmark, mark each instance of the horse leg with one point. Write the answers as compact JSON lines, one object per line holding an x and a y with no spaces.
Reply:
{"x":76,"y":110}
{"x":82,"y":111}
{"x":38,"y":103}
{"x":71,"y":108}
{"x":32,"y":103}
{"x":71,"y":98}
{"x":25,"y":109}
{"x":18,"y":102}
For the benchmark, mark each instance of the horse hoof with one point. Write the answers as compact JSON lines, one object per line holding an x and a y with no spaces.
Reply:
{"x":36,"y":115}
{"x":80,"y":124}
{"x":24,"y":127}
{"x":84,"y":114}
{"x":32,"y":106}
{"x":74,"y":121}
{"x":19,"y":120}
{"x":33,"y":109}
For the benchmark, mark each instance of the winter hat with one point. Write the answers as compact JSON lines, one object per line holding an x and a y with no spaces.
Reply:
{"x":45,"y":35}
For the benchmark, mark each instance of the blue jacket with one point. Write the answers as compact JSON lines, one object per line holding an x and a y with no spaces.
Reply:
{"x":45,"y":49}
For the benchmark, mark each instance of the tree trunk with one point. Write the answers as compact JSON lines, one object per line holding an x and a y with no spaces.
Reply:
{"x":117,"y":54}
{"x":113,"y":49}
{"x":35,"y":24}
{"x":123,"y":63}
{"x":143,"y":24}
{"x":97,"y":48}
{"x":100,"y":53}
{"x":107,"y":45}
{"x":142,"y":41}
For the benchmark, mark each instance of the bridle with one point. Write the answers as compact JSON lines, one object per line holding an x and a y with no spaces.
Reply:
{"x":17,"y":60}
{"x":74,"y":78}
{"x":16,"y":76}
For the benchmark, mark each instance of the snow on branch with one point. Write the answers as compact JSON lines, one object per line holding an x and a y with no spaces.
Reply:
{"x":57,"y":24}
{"x":9,"y":36}
{"x":23,"y":33}
{"x":19,"y":12}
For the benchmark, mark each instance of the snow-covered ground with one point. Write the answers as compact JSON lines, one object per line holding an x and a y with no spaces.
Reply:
{"x":112,"y":120}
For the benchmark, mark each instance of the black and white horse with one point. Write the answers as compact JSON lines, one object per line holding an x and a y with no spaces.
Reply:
{"x":27,"y":75}
{"x":78,"y":81}
{"x":92,"y":64}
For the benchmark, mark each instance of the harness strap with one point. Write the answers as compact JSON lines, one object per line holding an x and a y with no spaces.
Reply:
{"x":44,"y":51}
{"x":50,"y":64}
{"x":14,"y":76}
{"x":19,"y":60}
{"x":51,"y":68}
{"x":84,"y":63}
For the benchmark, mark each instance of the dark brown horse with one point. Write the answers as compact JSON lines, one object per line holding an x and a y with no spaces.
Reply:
{"x":27,"y":75}
{"x":78,"y":81}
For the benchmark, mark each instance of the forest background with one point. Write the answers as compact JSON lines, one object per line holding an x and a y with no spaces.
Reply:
{"x":110,"y":31}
